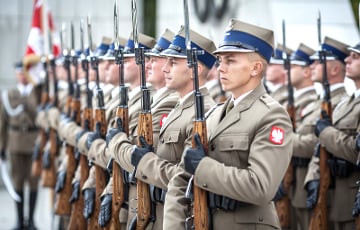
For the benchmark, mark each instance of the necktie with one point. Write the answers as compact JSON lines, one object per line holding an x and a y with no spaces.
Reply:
{"x":229,"y":106}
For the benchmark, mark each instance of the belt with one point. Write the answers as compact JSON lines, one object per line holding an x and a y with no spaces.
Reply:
{"x":300,"y":162}
{"x":225,"y":203}
{"x":23,"y":128}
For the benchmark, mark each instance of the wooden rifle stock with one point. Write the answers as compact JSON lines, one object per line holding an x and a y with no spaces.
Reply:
{"x":100,"y":178}
{"x":36,"y":165}
{"x":48,"y":175}
{"x":319,"y":216}
{"x":200,"y":206}
{"x":63,"y":206}
{"x":143,"y":190}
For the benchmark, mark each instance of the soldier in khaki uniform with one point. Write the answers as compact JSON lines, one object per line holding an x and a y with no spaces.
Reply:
{"x":276,"y":75}
{"x":302,"y":148}
{"x":339,"y":139}
{"x":156,"y":167}
{"x":17,"y":123}
{"x":249,"y":147}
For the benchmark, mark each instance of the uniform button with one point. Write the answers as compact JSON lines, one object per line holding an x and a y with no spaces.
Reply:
{"x":205,"y":185}
{"x":212,"y":147}
{"x":261,"y":218}
{"x":144,"y":177}
{"x":231,"y":146}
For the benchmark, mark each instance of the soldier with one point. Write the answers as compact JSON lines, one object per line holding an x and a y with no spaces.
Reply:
{"x":17,"y":122}
{"x":248,"y":155}
{"x":157,"y":167}
{"x":276,"y":75}
{"x":303,"y":139}
{"x":339,"y":138}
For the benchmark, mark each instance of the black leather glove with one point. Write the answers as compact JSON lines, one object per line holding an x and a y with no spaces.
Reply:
{"x":36,"y":152}
{"x":356,"y":207}
{"x":89,"y":202}
{"x":312,"y":188}
{"x":60,"y":181}
{"x":280,"y":193}
{"x":113,"y":131}
{"x":46,"y":159}
{"x":105,"y":210}
{"x":94,"y":135}
{"x":322,"y":123}
{"x":3,"y":155}
{"x":357,"y":146}
{"x":83,"y":131}
{"x":193,"y":156}
{"x":64,"y":119}
{"x":139,"y":152}
{"x":75,"y":192}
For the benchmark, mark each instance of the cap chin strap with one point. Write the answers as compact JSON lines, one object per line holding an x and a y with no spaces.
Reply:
{"x":12,"y":112}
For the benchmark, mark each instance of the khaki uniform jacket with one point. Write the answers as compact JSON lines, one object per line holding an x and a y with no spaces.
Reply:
{"x":340,"y":141}
{"x":280,"y":95}
{"x":20,"y":126}
{"x":304,"y":142}
{"x":249,"y":151}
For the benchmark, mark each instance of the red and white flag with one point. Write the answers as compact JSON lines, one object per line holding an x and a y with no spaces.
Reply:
{"x":37,"y":44}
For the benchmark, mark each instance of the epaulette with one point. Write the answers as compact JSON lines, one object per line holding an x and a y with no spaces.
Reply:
{"x":212,"y":109}
{"x":268,"y":100}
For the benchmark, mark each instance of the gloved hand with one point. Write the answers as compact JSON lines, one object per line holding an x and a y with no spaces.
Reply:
{"x":105,"y":210}
{"x":89,"y":202}
{"x":36,"y":152}
{"x":75,"y":192}
{"x":280,"y":193}
{"x":357,"y":146}
{"x":94,"y":135}
{"x":46,"y":159}
{"x":60,"y":181}
{"x":113,"y":131}
{"x":356,"y":207}
{"x":312,"y":188}
{"x":322,"y":123}
{"x":3,"y":155}
{"x":64,"y":118}
{"x":83,"y":131}
{"x":193,"y":156}
{"x":139,"y":152}
{"x":317,"y":150}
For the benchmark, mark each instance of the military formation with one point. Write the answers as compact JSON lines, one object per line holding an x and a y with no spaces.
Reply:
{"x":178,"y":133}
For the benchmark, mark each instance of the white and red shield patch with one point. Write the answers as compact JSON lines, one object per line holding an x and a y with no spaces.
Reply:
{"x":163,"y":119}
{"x":276,"y":135}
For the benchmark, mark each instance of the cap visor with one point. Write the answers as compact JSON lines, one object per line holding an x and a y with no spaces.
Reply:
{"x":232,"y":49}
{"x":172,"y":53}
{"x":354,"y":50}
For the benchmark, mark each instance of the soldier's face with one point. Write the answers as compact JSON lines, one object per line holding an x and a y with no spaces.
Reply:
{"x":112,"y":73}
{"x":296,"y":75}
{"x":154,"y":70}
{"x":177,"y":75}
{"x":131,"y":70}
{"x":103,"y":65}
{"x":316,"y":71}
{"x":236,"y":72}
{"x":275,"y":74}
{"x":353,"y":66}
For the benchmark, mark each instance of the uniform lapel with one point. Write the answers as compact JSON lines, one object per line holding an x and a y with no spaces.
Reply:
{"x":346,"y":107}
{"x":235,"y":114}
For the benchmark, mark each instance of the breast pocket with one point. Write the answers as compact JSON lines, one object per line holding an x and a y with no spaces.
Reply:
{"x":233,"y":149}
{"x":169,"y":146}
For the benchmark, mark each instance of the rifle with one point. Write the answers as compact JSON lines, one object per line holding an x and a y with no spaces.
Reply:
{"x":48,"y":173}
{"x":63,"y":206}
{"x":283,"y":205}
{"x":200,"y":204}
{"x":36,"y":164}
{"x":77,"y":220}
{"x":145,"y":211}
{"x":122,"y":112}
{"x":100,"y":123}
{"x":319,"y":215}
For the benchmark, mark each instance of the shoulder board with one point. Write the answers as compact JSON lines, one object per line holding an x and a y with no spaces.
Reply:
{"x":207,"y":114}
{"x":268,"y":100}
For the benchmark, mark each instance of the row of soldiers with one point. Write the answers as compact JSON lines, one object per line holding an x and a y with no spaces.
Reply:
{"x":249,"y":141}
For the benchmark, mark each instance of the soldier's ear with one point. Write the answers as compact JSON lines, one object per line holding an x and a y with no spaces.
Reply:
{"x":256,"y":68}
